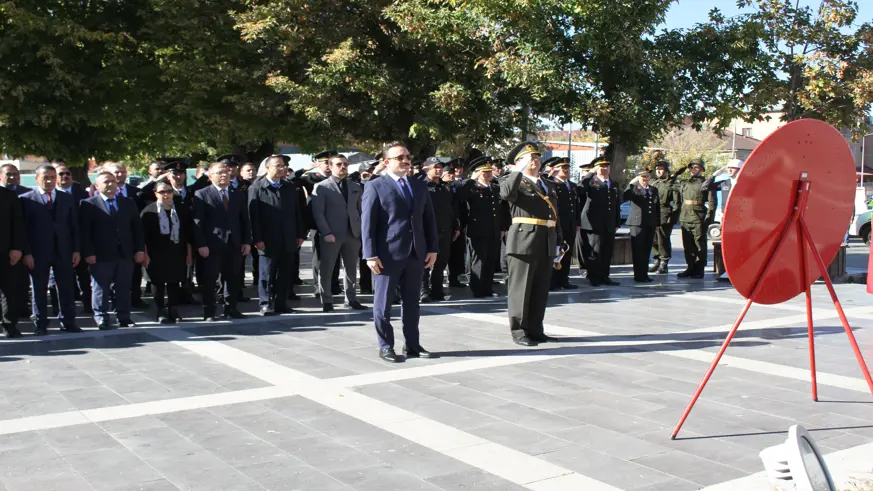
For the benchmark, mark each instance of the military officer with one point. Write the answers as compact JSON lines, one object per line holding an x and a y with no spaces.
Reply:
{"x":585,"y":169}
{"x":669,"y":201}
{"x":531,"y":243}
{"x":568,"y":218}
{"x":698,"y":211}
{"x":599,"y":202}
{"x":645,"y":215}
{"x":452,"y":174}
{"x":443,"y":200}
{"x":479,"y":208}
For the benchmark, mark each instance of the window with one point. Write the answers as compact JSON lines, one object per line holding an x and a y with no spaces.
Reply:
{"x":747,"y":132}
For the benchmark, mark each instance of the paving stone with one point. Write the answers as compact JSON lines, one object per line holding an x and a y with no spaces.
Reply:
{"x":691,"y":468}
{"x":111,"y":469}
{"x":610,"y":442}
{"x":77,"y":439}
{"x":381,"y":477}
{"x":474,"y":479}
{"x":415,"y":459}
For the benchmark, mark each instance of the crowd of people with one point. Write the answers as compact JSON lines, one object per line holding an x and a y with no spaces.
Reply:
{"x":99,"y":244}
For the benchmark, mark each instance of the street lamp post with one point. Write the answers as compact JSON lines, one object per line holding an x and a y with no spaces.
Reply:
{"x":863,"y":154}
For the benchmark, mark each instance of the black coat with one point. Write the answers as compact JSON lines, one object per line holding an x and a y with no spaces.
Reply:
{"x":131,"y":193}
{"x":645,"y":206}
{"x":599,"y":205}
{"x":568,"y":207}
{"x":107,"y":237}
{"x":13,"y":234}
{"x":213,"y":226}
{"x":167,"y":260}
{"x":78,"y":192}
{"x":479,"y":209}
{"x":276,"y":217}
{"x":444,"y":207}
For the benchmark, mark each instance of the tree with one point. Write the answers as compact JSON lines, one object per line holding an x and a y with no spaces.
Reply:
{"x":820,"y":64}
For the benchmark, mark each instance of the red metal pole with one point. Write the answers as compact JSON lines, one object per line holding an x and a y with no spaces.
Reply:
{"x":827,"y":279}
{"x":801,"y":240}
{"x":709,"y":372}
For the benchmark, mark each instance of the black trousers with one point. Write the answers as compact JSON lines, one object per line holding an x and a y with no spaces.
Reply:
{"x":641,"y":247}
{"x":83,"y":283}
{"x":23,"y":297}
{"x":276,"y":276}
{"x":173,"y":292}
{"x":581,"y":246}
{"x":9,"y":290}
{"x":432,"y":279}
{"x":694,"y":243}
{"x":222,"y":264}
{"x":136,"y":284}
{"x":663,"y":246}
{"x":527,"y":296}
{"x":365,"y":276}
{"x":484,"y":254}
{"x":598,"y":254}
{"x":457,"y":261}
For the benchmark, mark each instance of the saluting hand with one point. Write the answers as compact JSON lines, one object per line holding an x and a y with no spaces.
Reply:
{"x":91,"y":259}
{"x":14,"y":257}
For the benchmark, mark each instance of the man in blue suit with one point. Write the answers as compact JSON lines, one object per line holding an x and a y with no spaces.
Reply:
{"x":112,"y":241}
{"x":82,"y":277}
{"x":399,"y":238}
{"x":53,"y":234}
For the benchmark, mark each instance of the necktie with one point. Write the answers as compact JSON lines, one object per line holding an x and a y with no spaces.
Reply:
{"x":542,"y":185}
{"x":344,"y":190}
{"x":406,"y":193}
{"x":224,"y":199}
{"x":568,"y":186}
{"x":275,"y":185}
{"x":48,"y":201}
{"x":112,"y":209}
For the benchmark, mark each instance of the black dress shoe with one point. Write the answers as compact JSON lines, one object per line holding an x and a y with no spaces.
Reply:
{"x":71,"y":328}
{"x":524,"y":341}
{"x":268,"y":312}
{"x":543,"y":338}
{"x":456,"y":284}
{"x":233,"y":314}
{"x":336,"y":291}
{"x":41,"y":331}
{"x":610,"y":282}
{"x":555,"y":288}
{"x":328,"y":307}
{"x":684,"y":274}
{"x":641,"y":280}
{"x":106,"y":327}
{"x":594,"y":282}
{"x":570,"y":286}
{"x":354,"y":305}
{"x":425,"y":299}
{"x":438,"y":298}
{"x":164,"y":320}
{"x":11,"y":332}
{"x":697,"y":276}
{"x":389,"y":355}
{"x":126,"y":323}
{"x":417,"y":352}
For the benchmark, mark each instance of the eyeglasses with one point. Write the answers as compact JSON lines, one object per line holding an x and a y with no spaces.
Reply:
{"x":401,"y":157}
{"x":165,"y":191}
{"x":340,"y":164}
{"x":65,"y":173}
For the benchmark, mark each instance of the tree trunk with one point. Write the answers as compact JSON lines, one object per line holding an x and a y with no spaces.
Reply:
{"x":616,"y":152}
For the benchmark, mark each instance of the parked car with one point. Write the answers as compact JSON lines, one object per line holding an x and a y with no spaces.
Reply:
{"x":860,"y":226}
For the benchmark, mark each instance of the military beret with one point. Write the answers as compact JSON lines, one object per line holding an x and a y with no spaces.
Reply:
{"x":481,"y":164}
{"x":521,"y":150}
{"x":324,"y":156}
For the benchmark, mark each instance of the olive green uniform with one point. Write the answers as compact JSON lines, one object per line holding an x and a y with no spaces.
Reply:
{"x":698,"y":211}
{"x":530,"y":249}
{"x":668,"y":195}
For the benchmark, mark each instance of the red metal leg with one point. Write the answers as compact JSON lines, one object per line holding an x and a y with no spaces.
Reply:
{"x":824,"y":274}
{"x":801,"y":241}
{"x":718,"y":356}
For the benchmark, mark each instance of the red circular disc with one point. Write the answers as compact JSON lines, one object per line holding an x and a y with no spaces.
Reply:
{"x":762,"y":202}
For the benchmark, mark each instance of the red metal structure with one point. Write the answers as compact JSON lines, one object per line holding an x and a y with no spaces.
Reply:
{"x":783,"y":224}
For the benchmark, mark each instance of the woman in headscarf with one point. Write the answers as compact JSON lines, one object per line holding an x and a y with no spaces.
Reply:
{"x":166,"y":228}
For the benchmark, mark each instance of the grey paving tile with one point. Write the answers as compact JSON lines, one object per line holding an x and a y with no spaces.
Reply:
{"x":605,"y":468}
{"x":48,"y":474}
{"x":131,"y":424}
{"x":277,"y":476}
{"x":328,"y":455}
{"x":674,"y":484}
{"x":473,"y":479}
{"x":157,"y":485}
{"x":691,"y":468}
{"x":202,"y":471}
{"x":415,"y":459}
{"x":348,"y":430}
{"x":239,"y":448}
{"x":77,"y":439}
{"x":197,"y":424}
{"x":519,"y":438}
{"x":381,"y":477}
{"x":157,"y":444}
{"x":610,"y":442}
{"x":92,"y":397}
{"x":111,"y":469}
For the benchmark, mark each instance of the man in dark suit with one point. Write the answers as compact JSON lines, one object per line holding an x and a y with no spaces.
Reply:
{"x":599,"y":201}
{"x":239,"y":185}
{"x":53,"y":234}
{"x":531,"y":243}
{"x":568,"y":216}
{"x":82,"y":277}
{"x":13,"y":243}
{"x":222,"y":237}
{"x":10,"y":178}
{"x":644,"y":218}
{"x":309,"y":180}
{"x":336,"y":210}
{"x":277,"y":233}
{"x":399,"y":235}
{"x":125,"y":190}
{"x":448,"y":228}
{"x":112,"y":243}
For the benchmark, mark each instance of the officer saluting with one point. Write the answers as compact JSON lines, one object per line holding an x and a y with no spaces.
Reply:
{"x":644,"y":217}
{"x":668,"y":195}
{"x":599,"y":201}
{"x":479,"y":212}
{"x":568,"y":216}
{"x":697,"y":213}
{"x":531,"y":243}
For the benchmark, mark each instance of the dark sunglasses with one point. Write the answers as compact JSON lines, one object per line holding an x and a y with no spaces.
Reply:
{"x":165,"y":191}
{"x":65,"y":173}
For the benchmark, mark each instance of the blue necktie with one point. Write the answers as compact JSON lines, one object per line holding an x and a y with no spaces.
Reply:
{"x":406,"y":193}
{"x":112,"y":209}
{"x":542,"y":185}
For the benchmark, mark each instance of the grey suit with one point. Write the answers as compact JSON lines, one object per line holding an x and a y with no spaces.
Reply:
{"x":340,"y":216}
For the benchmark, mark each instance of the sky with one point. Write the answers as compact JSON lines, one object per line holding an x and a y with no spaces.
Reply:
{"x":686,"y":13}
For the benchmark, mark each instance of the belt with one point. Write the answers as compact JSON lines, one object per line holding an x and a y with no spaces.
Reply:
{"x":692,"y":202}
{"x":534,"y":221}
